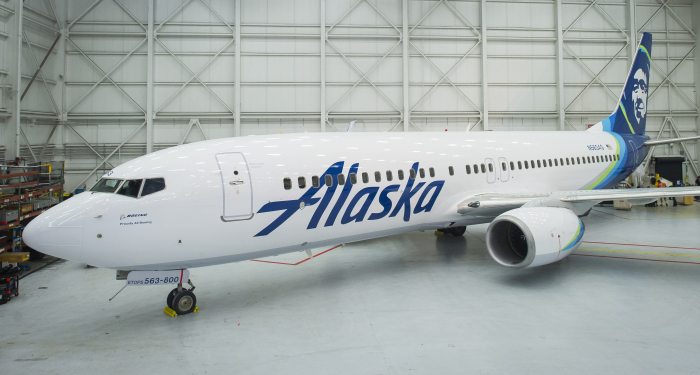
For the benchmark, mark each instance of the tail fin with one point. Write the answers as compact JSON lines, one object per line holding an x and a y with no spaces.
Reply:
{"x":630,"y":116}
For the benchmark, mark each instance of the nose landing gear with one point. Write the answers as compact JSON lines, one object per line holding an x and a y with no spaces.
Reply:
{"x":181,"y":301}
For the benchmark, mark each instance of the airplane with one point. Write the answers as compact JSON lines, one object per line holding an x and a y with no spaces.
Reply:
{"x":229,"y":200}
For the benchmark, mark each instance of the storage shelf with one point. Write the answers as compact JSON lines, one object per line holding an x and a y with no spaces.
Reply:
{"x":25,"y":184}
{"x":29,"y":195}
{"x":11,"y":175}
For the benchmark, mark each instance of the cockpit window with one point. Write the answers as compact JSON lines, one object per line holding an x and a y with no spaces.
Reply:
{"x":130,"y":188}
{"x":152,"y":185}
{"x":106,"y":185}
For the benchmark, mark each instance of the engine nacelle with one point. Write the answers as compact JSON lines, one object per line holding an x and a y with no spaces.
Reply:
{"x":533,"y":236}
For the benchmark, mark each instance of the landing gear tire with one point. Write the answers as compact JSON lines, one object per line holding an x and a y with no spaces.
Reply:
{"x":184,"y":302}
{"x":457,"y":231}
{"x":171,"y":296}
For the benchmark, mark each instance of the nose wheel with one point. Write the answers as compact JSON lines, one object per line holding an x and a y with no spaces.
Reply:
{"x":182,"y":301}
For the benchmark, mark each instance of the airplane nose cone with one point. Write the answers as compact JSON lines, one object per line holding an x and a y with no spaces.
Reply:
{"x":57,"y":232}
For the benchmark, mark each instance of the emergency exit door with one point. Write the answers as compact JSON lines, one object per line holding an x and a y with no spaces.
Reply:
{"x":238,"y":191}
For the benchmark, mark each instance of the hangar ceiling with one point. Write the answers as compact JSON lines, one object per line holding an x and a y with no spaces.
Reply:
{"x":127,"y":77}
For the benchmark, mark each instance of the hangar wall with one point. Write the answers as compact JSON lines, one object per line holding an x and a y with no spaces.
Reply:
{"x":130,"y":76}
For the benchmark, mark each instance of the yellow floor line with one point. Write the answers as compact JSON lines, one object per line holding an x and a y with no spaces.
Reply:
{"x":640,"y":252}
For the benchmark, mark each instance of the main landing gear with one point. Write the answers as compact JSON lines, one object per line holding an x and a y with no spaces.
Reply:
{"x":182,"y":301}
{"x":454,"y":231}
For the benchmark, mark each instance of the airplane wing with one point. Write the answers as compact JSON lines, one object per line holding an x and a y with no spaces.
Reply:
{"x":580,"y":200}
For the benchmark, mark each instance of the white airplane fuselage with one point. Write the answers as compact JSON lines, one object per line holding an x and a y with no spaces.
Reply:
{"x":208,"y":214}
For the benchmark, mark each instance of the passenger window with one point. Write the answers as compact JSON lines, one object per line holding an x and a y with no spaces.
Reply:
{"x":389,"y":176}
{"x":152,"y":185}
{"x":341,"y":179}
{"x":550,"y":162}
{"x":567,"y":161}
{"x":606,"y":157}
{"x":544,"y":162}
{"x":490,"y":167}
{"x":483,"y":168}
{"x":412,"y":173}
{"x":401,"y":174}
{"x":512,"y":166}
{"x":302,"y":182}
{"x":503,"y":166}
{"x":451,"y":170}
{"x":532,"y":164}
{"x":329,"y":180}
{"x":365,"y":177}
{"x":131,"y":188}
{"x":578,"y":160}
{"x":432,"y":171}
{"x":469,"y":169}
{"x":561,"y":162}
{"x":377,"y":177}
{"x":421,"y":171}
{"x":353,"y":178}
{"x":527,"y":165}
{"x":520,"y":165}
{"x":315,"y":182}
{"x":589,"y":159}
{"x":556,"y":163}
{"x":598,"y":159}
{"x":539,"y":165}
{"x":476,"y":168}
{"x":287,"y":183}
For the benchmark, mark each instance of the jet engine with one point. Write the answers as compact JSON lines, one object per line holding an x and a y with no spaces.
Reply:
{"x":533,"y":236}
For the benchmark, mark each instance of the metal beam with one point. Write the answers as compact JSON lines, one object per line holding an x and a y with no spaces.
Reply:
{"x":19,"y":15}
{"x":107,"y":74}
{"x":631,"y":31}
{"x":484,"y":63}
{"x":38,"y":70}
{"x":112,"y":153}
{"x":237,"y":87}
{"x":40,"y":73}
{"x":149,"y":77}
{"x":560,"y":68}
{"x":324,"y":114}
{"x":405,"y":40}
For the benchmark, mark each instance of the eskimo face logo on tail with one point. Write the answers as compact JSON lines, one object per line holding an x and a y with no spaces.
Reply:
{"x":639,"y":94}
{"x":358,"y":206}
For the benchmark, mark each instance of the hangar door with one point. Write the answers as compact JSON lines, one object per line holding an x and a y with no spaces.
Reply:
{"x":238,"y":191}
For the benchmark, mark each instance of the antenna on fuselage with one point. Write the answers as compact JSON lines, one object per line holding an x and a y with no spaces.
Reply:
{"x":351,"y":126}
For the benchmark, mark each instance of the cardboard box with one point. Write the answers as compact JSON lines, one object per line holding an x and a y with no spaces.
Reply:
{"x":16,"y":257}
{"x":688,"y":201}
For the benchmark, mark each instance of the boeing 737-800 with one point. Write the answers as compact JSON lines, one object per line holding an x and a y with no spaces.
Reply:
{"x":235,"y":199}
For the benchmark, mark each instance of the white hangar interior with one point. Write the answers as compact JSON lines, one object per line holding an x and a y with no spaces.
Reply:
{"x":96,"y":83}
{"x":125,"y":78}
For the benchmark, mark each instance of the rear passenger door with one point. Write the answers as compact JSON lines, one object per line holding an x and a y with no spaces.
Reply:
{"x":238,"y":191}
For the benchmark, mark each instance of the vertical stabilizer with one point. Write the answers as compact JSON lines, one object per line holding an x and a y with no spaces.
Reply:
{"x":630,"y":115}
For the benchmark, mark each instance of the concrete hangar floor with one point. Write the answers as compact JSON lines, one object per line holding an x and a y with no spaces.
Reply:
{"x":412,"y":303}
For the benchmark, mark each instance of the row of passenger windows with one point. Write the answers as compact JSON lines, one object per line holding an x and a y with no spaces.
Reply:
{"x":352,"y":177}
{"x":543,"y":163}
{"x":539,"y":163}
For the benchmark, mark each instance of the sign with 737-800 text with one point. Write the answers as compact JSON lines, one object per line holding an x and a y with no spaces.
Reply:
{"x":157,"y":277}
